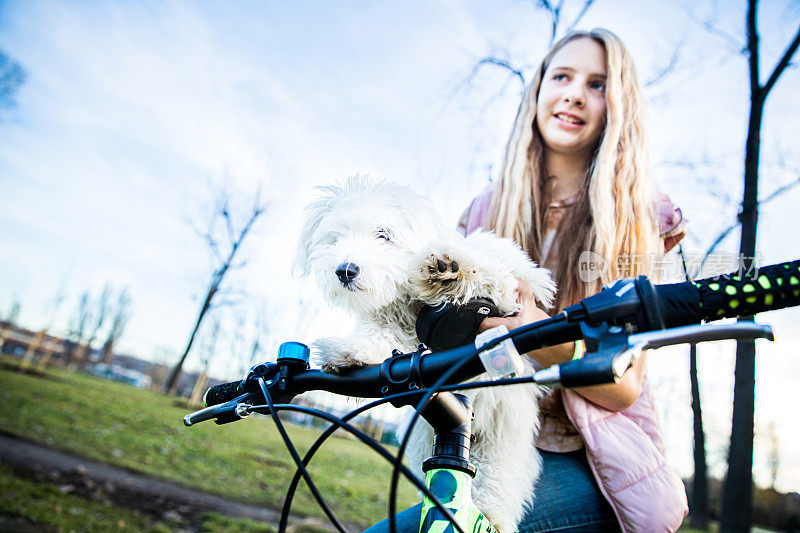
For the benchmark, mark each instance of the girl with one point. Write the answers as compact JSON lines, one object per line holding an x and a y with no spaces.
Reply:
{"x":574,"y":185}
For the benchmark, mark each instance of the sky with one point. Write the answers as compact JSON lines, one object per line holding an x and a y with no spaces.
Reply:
{"x":135,"y":115}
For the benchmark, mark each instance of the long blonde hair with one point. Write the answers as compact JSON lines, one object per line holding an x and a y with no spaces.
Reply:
{"x":614,"y":215}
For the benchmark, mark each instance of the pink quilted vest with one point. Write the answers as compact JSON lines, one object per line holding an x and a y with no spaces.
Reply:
{"x":625,"y":449}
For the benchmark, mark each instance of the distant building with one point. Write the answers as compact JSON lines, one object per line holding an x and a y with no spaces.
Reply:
{"x":16,"y":341}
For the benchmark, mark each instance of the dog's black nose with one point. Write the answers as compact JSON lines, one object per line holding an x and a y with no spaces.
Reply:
{"x":347,"y":272}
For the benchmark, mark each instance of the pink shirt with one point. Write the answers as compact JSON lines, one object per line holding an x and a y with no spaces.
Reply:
{"x":625,"y":449}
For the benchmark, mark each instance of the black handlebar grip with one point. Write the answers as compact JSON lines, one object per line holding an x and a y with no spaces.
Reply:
{"x":770,"y":288}
{"x":680,"y":304}
{"x":224,"y":392}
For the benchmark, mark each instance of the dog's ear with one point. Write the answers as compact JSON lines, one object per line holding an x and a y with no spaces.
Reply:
{"x":302,"y":258}
{"x":543,"y":287}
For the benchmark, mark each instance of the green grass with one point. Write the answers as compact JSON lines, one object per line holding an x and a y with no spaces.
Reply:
{"x":45,"y":504}
{"x":143,"y":431}
{"x":47,"y":507}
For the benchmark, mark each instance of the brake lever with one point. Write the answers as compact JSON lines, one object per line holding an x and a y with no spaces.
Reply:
{"x":701,"y":333}
{"x":608,"y":365}
{"x":223,"y":413}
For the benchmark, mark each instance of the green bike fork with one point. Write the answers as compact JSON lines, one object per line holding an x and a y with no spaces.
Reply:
{"x":452,"y":488}
{"x":448,"y":472}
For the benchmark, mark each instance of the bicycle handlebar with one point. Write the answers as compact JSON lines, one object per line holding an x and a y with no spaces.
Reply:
{"x":625,"y":305}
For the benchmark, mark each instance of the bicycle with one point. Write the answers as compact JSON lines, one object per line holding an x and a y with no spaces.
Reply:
{"x":616,"y":325}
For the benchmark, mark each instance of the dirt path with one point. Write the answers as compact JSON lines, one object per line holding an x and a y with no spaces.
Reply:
{"x":154,"y":497}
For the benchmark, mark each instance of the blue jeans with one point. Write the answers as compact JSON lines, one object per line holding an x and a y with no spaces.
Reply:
{"x":566,"y":499}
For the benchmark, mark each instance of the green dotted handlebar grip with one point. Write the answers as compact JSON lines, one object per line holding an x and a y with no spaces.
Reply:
{"x":771,"y":287}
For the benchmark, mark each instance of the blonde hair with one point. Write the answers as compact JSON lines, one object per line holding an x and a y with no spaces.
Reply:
{"x":614,"y":215}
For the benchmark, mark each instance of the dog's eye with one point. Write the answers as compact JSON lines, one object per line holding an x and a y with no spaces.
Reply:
{"x":384,"y":234}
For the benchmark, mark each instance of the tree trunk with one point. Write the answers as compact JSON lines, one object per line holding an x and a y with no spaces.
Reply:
{"x":199,"y":389}
{"x":737,"y":495}
{"x":108,"y":352}
{"x":172,"y":381}
{"x":699,"y":510}
{"x":216,"y":281}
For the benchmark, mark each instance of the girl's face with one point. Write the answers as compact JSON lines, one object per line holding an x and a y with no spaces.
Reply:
{"x":571,"y":108}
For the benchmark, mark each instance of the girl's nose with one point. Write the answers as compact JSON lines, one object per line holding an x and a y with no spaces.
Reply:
{"x":574,"y":95}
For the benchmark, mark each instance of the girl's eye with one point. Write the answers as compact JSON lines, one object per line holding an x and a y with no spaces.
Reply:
{"x":559,"y":77}
{"x":598,"y":86}
{"x":384,"y":234}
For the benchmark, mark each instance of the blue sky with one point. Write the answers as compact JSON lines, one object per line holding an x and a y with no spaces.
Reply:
{"x":133,"y":113}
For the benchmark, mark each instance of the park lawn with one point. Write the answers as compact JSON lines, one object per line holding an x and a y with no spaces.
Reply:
{"x":45,"y":507}
{"x":143,"y":431}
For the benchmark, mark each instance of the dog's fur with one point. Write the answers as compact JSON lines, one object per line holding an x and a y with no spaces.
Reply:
{"x":406,"y":258}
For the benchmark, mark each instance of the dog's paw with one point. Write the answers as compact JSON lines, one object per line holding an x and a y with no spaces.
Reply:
{"x":442,"y":277}
{"x":336,"y":363}
{"x":338,"y":367}
{"x":334,"y":354}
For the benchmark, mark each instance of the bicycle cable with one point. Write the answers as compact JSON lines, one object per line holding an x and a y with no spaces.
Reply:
{"x":337,"y":423}
{"x":350,"y":415}
{"x":293,"y":452}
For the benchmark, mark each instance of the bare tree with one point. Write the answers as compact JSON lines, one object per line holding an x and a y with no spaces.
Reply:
{"x":737,"y":491}
{"x":12,"y":315}
{"x":160,"y":369}
{"x":732,"y":227}
{"x":46,"y":347}
{"x":699,"y":511}
{"x":120,"y":314}
{"x":224,"y":260}
{"x":253,"y":351}
{"x":774,"y":457}
{"x":78,"y":326}
{"x":699,"y":506}
{"x":99,"y":313}
{"x":559,"y":25}
{"x":205,"y":360}
{"x":517,"y":69}
{"x":11,"y":318}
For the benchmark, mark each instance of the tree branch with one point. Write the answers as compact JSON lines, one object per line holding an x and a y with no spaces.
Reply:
{"x":668,"y":68}
{"x":721,"y":237}
{"x":502,"y":63}
{"x":779,"y":191}
{"x":787,"y":56}
{"x":586,"y":5}
{"x":708,"y":24}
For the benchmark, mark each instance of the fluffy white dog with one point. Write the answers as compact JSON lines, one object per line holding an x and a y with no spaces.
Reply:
{"x":382,"y":252}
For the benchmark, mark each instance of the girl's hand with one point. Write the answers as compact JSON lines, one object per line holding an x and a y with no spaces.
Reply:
{"x":529,"y":313}
{"x":614,"y":397}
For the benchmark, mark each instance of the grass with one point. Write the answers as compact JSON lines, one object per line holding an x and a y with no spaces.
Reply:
{"x":142,"y":431}
{"x":46,"y":506}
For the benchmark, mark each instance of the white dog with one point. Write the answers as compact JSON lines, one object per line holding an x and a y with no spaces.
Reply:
{"x":382,"y":252}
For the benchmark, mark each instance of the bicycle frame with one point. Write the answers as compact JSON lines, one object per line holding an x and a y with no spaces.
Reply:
{"x":448,"y":472}
{"x":452,"y":488}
